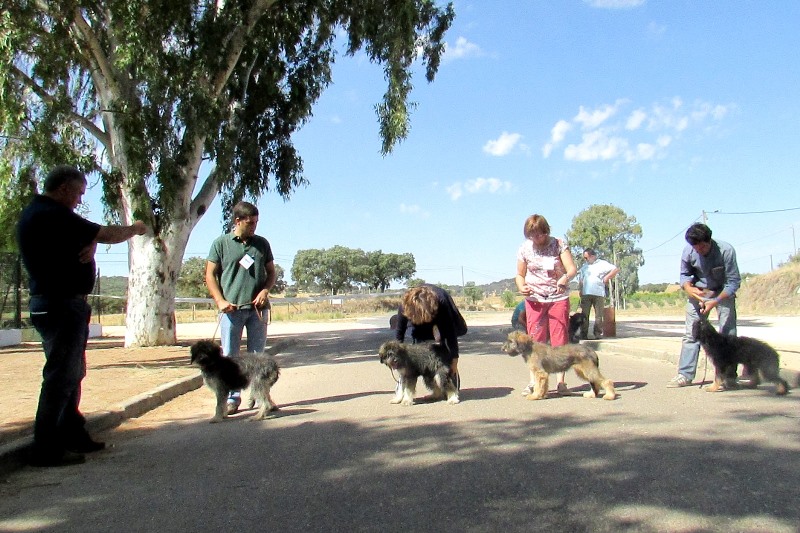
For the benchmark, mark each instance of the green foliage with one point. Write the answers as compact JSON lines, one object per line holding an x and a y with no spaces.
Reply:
{"x":175,"y":103}
{"x":381,"y":269}
{"x":192,"y":280}
{"x":613,"y":235}
{"x":654,"y":287}
{"x":338,"y":269}
{"x":651,"y":299}
{"x":280,"y":283}
{"x":161,"y":86}
{"x":472,"y":293}
{"x":17,"y":188}
{"x":415,"y":282}
{"x":509,"y":299}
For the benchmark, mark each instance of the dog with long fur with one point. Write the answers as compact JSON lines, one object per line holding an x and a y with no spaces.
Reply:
{"x":543,"y":360}
{"x":727,"y":352}
{"x":225,"y":374}
{"x":414,"y":360}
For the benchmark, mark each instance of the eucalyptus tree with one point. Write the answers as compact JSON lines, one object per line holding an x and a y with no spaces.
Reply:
{"x":175,"y":102}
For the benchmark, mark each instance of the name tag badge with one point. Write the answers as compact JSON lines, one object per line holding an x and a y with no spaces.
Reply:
{"x":246,"y":261}
{"x":548,"y":263}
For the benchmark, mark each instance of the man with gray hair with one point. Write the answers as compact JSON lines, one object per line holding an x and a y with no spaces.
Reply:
{"x":57,"y":247}
{"x":592,"y":279}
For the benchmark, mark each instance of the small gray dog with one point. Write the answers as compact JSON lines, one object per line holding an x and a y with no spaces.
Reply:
{"x":225,"y":374}
{"x":414,"y":360}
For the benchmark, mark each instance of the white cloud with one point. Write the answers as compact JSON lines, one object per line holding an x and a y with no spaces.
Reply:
{"x":454,"y":191}
{"x":557,"y":134}
{"x":592,"y":119}
{"x":614,"y":4}
{"x":638,"y":135}
{"x":635,"y":120}
{"x":503,"y":144}
{"x":596,"y":145}
{"x":413,"y":209}
{"x":461,"y":49}
{"x":478,"y":186}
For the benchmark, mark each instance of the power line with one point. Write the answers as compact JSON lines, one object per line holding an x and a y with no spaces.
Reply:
{"x":758,"y":212}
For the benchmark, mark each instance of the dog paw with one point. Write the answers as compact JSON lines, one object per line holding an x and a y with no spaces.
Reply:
{"x":609,"y":396}
{"x":407,"y":402}
{"x":534,"y":397}
{"x":590,"y":394}
{"x":396,"y":400}
{"x":454,"y":400}
{"x":215,"y":420}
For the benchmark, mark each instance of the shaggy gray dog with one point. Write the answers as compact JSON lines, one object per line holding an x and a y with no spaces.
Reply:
{"x":414,"y":360}
{"x":225,"y":374}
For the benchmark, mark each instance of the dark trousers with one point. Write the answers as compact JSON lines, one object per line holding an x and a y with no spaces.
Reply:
{"x":63,"y":325}
{"x":598,"y":303}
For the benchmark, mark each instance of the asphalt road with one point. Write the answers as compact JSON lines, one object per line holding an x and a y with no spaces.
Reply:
{"x":339,"y":457}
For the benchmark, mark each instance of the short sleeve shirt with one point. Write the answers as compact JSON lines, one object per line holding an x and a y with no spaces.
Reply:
{"x":543,"y":268}
{"x":240,"y":283}
{"x":51,"y":237}
{"x":591,"y":277}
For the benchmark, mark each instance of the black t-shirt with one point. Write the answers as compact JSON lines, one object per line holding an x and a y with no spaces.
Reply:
{"x":50,"y":237}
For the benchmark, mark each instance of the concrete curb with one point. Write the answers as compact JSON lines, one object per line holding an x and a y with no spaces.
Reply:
{"x":12,"y":454}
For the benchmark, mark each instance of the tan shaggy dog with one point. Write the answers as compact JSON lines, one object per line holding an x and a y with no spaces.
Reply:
{"x":544,"y":360}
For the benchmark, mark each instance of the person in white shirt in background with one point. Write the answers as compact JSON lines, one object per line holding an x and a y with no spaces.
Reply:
{"x":592,"y":279}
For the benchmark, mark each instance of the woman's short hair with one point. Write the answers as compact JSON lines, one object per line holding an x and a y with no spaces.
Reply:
{"x":536,"y":224}
{"x":420,"y":304}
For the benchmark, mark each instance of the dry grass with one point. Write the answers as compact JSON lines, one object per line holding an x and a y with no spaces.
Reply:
{"x":773,"y":294}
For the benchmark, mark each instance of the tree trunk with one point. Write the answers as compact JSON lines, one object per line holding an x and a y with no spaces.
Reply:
{"x":152,"y":282}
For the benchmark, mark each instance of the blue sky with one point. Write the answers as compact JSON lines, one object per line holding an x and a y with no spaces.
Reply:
{"x":666,"y":109}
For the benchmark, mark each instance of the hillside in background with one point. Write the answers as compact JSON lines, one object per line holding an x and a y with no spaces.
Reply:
{"x":776,"y":292}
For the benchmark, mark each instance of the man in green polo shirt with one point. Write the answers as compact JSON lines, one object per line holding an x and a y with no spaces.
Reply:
{"x":240,"y":271}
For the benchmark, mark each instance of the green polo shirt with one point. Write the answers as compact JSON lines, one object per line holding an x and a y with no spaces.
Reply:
{"x":240,"y":285}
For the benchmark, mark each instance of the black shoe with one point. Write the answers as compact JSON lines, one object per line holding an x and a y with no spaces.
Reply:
{"x":85,"y":445}
{"x":55,"y":459}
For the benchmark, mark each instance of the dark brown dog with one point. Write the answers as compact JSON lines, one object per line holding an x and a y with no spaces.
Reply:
{"x":544,"y":360}
{"x":728,"y":352}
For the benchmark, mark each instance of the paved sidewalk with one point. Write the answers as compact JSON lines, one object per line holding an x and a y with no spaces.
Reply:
{"x":124,"y":383}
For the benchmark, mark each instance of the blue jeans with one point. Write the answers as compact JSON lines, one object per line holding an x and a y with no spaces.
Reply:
{"x":63,"y":324}
{"x":690,"y":347}
{"x":231,"y":326}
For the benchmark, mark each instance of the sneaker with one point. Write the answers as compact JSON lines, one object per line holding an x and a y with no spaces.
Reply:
{"x":232,"y":407}
{"x":679,"y":381}
{"x":55,"y":459}
{"x":562,"y":388}
{"x":527,"y":390}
